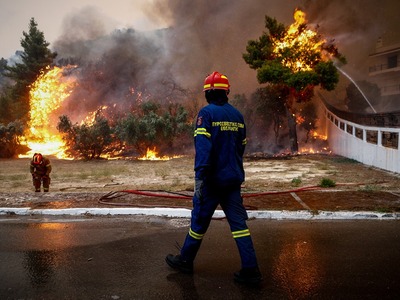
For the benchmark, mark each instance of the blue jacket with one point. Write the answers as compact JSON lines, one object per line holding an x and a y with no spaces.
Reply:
{"x":220,"y":140}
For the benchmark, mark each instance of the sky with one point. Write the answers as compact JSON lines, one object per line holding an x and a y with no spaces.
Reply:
{"x":205,"y":35}
{"x":50,"y":15}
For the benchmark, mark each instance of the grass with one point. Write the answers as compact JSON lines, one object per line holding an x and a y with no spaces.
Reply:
{"x":178,"y":174}
{"x":369,"y":188}
{"x":296,"y":181}
{"x":327,"y":182}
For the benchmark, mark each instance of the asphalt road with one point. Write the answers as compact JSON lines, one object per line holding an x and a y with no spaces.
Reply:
{"x":123,"y":258}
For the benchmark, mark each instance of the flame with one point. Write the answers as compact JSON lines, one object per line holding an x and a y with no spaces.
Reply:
{"x":152,"y":154}
{"x":318,"y":136}
{"x":91,"y":116}
{"x":301,"y":38}
{"x":311,"y":150}
{"x":46,"y":95}
{"x":319,"y":141}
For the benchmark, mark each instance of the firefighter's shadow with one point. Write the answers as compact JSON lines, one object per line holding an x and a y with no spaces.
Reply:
{"x":186,"y":284}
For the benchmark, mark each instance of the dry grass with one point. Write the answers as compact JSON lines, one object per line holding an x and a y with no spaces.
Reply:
{"x":82,"y":184}
{"x":177,"y":174}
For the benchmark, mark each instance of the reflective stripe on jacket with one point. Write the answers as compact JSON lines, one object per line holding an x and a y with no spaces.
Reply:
{"x":220,"y":140}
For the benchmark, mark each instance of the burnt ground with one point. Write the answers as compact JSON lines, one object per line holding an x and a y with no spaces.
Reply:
{"x":284,"y":183}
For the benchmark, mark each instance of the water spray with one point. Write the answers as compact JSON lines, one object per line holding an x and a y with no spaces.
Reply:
{"x":351,"y":79}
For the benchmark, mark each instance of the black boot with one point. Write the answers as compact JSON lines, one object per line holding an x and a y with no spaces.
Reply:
{"x":248,"y":276}
{"x":176,"y":262}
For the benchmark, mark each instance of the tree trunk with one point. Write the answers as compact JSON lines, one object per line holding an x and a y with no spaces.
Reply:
{"x":294,"y":147}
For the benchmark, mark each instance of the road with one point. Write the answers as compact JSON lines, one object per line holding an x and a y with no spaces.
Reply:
{"x":123,"y":258}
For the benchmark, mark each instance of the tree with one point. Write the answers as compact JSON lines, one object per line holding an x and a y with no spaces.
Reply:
{"x":154,"y":126}
{"x":35,"y":58}
{"x":246,"y":107}
{"x":298,"y":59}
{"x":269,"y":103}
{"x":86,"y":141}
{"x":9,"y":139}
{"x":308,"y":115}
{"x":3,"y":65}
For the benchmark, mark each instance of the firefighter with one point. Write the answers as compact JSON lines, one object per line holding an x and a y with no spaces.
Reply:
{"x":220,"y":140}
{"x":40,"y":168}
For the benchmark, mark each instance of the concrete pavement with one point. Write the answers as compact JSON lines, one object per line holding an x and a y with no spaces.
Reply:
{"x":185,"y":213}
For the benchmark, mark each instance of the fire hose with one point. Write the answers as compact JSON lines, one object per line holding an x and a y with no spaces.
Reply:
{"x":108,"y":198}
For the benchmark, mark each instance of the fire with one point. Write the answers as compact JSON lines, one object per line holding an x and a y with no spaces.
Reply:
{"x":301,"y":38}
{"x":319,"y":142}
{"x":46,"y":95}
{"x":300,"y":119}
{"x":152,"y":154}
{"x":318,"y":136}
{"x":91,"y":116}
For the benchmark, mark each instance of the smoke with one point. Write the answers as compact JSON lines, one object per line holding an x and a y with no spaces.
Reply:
{"x":199,"y":37}
{"x":355,"y":27}
{"x":116,"y":66}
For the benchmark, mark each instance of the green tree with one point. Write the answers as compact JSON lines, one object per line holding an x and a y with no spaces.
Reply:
{"x":34,"y":59}
{"x":9,"y":139}
{"x":86,"y":141}
{"x":3,"y":65}
{"x":296,"y":58}
{"x":154,"y":127}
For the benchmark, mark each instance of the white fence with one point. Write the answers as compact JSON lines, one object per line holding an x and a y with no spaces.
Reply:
{"x":373,"y":146}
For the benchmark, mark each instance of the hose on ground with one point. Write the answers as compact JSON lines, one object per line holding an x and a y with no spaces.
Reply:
{"x":108,"y":198}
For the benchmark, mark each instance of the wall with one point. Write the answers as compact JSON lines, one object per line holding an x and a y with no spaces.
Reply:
{"x":374,"y":146}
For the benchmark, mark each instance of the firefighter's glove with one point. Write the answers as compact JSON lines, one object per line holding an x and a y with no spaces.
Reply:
{"x":198,"y":186}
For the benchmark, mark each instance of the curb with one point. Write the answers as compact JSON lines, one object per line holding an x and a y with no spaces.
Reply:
{"x":186,"y":213}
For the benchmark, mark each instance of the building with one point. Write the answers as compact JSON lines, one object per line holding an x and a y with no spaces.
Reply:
{"x":384,"y":71}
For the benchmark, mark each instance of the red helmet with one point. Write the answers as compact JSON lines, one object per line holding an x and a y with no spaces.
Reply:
{"x":37,"y":159}
{"x":216,"y":81}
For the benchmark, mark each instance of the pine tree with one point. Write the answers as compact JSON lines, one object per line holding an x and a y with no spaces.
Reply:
{"x":294,"y":59}
{"x":35,"y":58}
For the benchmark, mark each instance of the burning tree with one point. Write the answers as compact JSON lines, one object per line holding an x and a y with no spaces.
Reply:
{"x":88,"y":141}
{"x":268,"y":101}
{"x":294,"y":60}
{"x":34,"y":59}
{"x":154,"y":126}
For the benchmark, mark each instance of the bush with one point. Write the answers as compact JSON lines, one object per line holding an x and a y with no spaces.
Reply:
{"x":86,"y":141}
{"x":154,"y":126}
{"x":9,"y":139}
{"x":296,"y":181}
{"x":326,"y":182}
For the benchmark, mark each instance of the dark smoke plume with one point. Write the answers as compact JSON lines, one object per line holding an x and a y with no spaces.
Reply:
{"x":202,"y":36}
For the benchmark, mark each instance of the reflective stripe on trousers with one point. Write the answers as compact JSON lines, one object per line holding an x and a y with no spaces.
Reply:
{"x":203,"y":209}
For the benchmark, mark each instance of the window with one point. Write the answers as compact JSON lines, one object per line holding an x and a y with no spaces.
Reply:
{"x":359,"y":133}
{"x":372,"y":136}
{"x":349,"y":129}
{"x":390,"y":139}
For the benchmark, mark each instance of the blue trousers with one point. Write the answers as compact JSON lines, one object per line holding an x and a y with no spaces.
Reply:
{"x":231,"y":202}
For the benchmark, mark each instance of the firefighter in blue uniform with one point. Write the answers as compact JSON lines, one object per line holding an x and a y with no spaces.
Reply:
{"x":220,"y":140}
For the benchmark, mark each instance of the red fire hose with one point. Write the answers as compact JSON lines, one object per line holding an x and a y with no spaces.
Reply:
{"x":107,"y":198}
